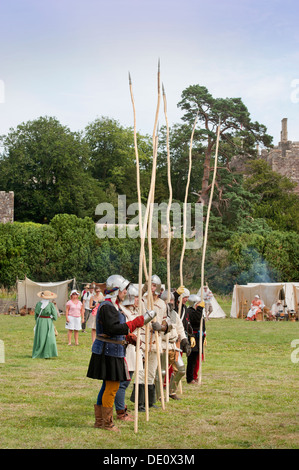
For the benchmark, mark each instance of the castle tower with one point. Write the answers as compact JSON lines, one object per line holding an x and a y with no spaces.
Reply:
{"x":6,"y":206}
{"x":284,"y":158}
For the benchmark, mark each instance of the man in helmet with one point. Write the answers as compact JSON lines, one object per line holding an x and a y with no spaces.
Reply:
{"x":177,"y":338}
{"x":107,"y":361}
{"x":160,"y":326}
{"x":194,"y":314}
{"x":181,"y":296}
{"x":129,"y":307}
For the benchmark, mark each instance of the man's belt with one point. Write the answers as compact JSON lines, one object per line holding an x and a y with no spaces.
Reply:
{"x":106,"y":339}
{"x":44,"y":316}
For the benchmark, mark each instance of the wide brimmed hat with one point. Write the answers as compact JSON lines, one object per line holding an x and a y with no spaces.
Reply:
{"x":47,"y":295}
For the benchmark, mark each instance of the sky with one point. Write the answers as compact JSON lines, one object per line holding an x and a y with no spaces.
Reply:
{"x":70,"y":59}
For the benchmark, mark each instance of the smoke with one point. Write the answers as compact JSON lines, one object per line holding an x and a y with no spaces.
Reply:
{"x":257,"y":268}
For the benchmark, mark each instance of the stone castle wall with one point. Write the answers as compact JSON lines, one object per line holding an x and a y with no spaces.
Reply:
{"x":6,"y":206}
{"x":284,"y":159}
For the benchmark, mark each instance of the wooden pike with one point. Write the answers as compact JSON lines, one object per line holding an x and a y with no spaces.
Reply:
{"x":151,"y":201}
{"x":185,"y":224}
{"x":185,"y":210}
{"x":141,"y":260}
{"x":169,"y":236}
{"x":204,"y":249}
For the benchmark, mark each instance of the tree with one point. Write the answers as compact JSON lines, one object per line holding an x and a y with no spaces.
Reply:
{"x":113,"y":156}
{"x":235,"y":123}
{"x":47,"y":167}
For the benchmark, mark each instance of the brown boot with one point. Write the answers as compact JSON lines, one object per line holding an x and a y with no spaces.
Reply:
{"x":107,"y":414}
{"x":99,"y":423}
{"x":123,"y":415}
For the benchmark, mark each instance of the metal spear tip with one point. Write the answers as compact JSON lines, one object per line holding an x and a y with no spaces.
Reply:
{"x":163,"y":89}
{"x":130,"y":81}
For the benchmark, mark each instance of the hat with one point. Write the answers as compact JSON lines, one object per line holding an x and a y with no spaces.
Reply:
{"x":47,"y":294}
{"x":257,"y":296}
{"x":74,"y":292}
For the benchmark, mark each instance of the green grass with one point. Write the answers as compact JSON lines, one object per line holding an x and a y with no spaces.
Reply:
{"x":248,"y":397}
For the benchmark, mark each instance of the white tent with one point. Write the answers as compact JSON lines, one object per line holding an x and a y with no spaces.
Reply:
{"x":217,"y":310}
{"x":27,"y":292}
{"x":268,"y":292}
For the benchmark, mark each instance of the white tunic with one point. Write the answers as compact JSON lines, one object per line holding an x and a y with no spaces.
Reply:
{"x":176,"y":334}
{"x":159,"y":307}
{"x":131,"y":313}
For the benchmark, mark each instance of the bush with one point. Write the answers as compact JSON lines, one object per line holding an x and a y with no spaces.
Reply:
{"x":66,"y":248}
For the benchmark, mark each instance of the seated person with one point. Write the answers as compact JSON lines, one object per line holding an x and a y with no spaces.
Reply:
{"x":256,"y":307}
{"x":277,"y":308}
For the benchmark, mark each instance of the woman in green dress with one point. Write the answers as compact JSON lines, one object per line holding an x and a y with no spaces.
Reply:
{"x":44,"y":345}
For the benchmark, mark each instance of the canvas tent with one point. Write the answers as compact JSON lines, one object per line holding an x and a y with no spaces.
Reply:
{"x":217,"y":310}
{"x":268,"y":292}
{"x":27,"y":292}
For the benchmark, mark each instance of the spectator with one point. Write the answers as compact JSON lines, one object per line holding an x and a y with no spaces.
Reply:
{"x":44,"y":345}
{"x":74,"y":315}
{"x":86,"y":302}
{"x":94,"y":302}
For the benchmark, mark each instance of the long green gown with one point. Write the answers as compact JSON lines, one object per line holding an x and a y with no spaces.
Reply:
{"x":44,"y":345}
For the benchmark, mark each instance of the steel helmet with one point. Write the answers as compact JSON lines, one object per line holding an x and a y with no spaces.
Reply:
{"x":164,"y":295}
{"x":115,"y":283}
{"x":132,"y":292}
{"x":194,"y":299}
{"x":156,"y":280}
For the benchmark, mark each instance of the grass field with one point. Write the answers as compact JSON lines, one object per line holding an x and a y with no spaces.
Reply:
{"x":248,"y":398}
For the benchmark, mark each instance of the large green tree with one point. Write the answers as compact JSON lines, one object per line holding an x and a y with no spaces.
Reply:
{"x":113,"y":161}
{"x":237,"y":132}
{"x":47,"y":167}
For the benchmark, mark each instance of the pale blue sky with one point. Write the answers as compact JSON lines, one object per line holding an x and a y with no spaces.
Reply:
{"x":70,"y":58}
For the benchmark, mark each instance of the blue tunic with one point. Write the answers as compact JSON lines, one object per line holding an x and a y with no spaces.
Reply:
{"x":109,"y":349}
{"x":107,"y":360}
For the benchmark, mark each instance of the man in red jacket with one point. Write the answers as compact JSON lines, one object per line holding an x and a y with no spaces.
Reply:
{"x":107,"y":361}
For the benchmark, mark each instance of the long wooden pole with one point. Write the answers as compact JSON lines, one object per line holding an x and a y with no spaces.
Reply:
{"x":140,"y":262}
{"x":152,"y":198}
{"x":204,"y":250}
{"x":168,"y":237}
{"x":185,"y":211}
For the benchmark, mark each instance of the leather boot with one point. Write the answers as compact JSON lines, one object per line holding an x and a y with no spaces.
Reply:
{"x":98,"y":416}
{"x":123,"y":415}
{"x":152,"y":396}
{"x":141,"y":397}
{"x":107,"y":414}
